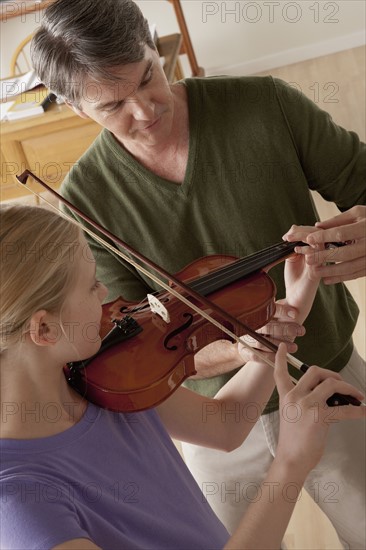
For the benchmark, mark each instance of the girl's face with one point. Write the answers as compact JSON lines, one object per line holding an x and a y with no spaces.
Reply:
{"x":81,"y":313}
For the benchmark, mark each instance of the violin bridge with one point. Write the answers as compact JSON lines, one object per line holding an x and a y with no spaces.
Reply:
{"x":157,"y":307}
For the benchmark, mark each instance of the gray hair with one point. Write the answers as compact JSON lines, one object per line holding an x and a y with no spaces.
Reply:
{"x":81,"y":39}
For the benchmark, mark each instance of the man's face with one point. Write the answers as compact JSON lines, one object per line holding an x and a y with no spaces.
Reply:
{"x":138,"y":108}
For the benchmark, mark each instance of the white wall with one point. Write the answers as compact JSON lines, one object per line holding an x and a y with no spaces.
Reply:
{"x":242,"y":36}
{"x":251,"y":36}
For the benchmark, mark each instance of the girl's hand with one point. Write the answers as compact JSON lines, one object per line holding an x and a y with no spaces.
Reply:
{"x":301,"y":286}
{"x":286,"y":325}
{"x":304,"y":414}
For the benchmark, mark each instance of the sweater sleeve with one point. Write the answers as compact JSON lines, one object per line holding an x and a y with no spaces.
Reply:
{"x":24,"y":502}
{"x":333,"y":159}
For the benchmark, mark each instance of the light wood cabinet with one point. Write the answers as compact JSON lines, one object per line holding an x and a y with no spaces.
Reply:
{"x":48,"y":145}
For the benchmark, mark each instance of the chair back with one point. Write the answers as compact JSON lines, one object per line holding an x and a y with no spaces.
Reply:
{"x":20,"y":62}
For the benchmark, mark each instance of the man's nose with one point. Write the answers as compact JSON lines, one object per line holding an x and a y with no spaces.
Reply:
{"x":142,"y":107}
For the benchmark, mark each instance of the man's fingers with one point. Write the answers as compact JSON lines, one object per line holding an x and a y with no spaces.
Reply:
{"x":344,"y":271}
{"x":345,"y":253}
{"x":282,"y":331}
{"x":251,"y":351}
{"x":284,"y":311}
{"x":346,"y":277}
{"x":257,"y":346}
{"x":342,"y":234}
{"x":352,"y":215}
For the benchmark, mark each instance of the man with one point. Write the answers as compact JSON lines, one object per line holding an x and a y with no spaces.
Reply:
{"x":211,"y":166}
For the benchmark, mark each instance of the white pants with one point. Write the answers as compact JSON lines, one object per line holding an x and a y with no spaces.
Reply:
{"x":231,"y":481}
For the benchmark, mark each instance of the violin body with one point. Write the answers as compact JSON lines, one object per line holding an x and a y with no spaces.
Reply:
{"x":157,"y":355}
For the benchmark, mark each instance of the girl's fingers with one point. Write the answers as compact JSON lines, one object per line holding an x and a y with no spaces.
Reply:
{"x":330,"y":385}
{"x":282,"y":377}
{"x":316,"y":384}
{"x":314,"y":376}
{"x":351,"y":413}
{"x":299,"y":233}
{"x":325,"y":383}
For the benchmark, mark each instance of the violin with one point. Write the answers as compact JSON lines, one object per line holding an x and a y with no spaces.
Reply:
{"x":148,"y":348}
{"x":163,"y":330}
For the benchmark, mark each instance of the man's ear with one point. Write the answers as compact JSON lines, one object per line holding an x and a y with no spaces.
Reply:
{"x":43,"y":331}
{"x":76,"y":110}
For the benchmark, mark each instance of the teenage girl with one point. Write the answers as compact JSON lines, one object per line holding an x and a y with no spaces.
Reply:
{"x":75,"y":476}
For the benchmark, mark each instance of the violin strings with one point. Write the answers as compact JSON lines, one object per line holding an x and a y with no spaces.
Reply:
{"x":246,"y":266}
{"x":240,"y":268}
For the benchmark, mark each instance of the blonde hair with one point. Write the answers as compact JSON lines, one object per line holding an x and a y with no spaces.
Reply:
{"x":38,"y":250}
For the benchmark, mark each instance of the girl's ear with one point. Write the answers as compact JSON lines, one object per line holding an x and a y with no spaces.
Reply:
{"x":42,"y":331}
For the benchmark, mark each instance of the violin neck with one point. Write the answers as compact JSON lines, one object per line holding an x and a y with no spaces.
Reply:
{"x":262,"y":260}
{"x":271,"y":256}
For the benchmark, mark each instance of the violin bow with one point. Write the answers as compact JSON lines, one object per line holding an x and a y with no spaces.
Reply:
{"x":335,"y":400}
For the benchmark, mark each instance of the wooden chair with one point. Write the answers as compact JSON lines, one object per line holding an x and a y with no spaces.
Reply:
{"x":20,"y":61}
{"x":186,"y":47}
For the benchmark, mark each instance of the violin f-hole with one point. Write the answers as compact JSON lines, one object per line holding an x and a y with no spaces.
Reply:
{"x":177,"y":331}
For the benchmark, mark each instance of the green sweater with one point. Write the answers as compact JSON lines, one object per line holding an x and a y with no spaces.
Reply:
{"x":256,"y":148}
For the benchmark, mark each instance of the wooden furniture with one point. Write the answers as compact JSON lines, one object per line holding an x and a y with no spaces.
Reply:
{"x":186,"y":47}
{"x":169,"y":47}
{"x":49,"y":144}
{"x":21,"y":59}
{"x":14,"y":8}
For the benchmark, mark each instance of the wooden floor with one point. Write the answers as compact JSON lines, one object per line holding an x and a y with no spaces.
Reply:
{"x":337,"y":83}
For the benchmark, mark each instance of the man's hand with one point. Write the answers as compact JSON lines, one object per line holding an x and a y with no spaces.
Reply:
{"x":283,"y":327}
{"x":222,"y":356}
{"x":346,"y":262}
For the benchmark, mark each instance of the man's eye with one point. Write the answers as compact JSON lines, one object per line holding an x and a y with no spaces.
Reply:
{"x":147,"y":79}
{"x":114,"y":107}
